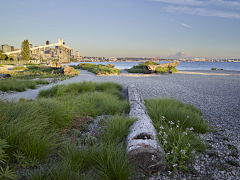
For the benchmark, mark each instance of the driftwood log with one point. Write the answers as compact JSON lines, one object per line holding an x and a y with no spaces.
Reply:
{"x":151,"y":68}
{"x":142,"y":142}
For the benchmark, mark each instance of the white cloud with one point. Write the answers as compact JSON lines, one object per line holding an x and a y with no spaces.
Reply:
{"x":222,"y":3}
{"x":184,"y":2}
{"x":200,"y":12}
{"x":183,"y":24}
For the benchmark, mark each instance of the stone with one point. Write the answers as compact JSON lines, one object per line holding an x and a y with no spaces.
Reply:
{"x":56,"y":65}
{"x":142,"y":141}
{"x":111,"y":65}
{"x":67,"y":70}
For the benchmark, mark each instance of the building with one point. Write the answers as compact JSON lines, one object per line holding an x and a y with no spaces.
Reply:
{"x":6,"y":48}
{"x":77,"y":54}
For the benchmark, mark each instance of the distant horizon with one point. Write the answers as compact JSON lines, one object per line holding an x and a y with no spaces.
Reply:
{"x":127,"y":28}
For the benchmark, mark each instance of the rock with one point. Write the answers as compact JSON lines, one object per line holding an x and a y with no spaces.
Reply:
{"x":56,"y":65}
{"x":111,"y":65}
{"x":142,"y":141}
{"x":80,"y":64}
{"x":5,"y":75}
{"x":151,"y":68}
{"x":67,"y":70}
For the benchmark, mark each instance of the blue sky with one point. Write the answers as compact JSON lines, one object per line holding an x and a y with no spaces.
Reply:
{"x":126,"y":28}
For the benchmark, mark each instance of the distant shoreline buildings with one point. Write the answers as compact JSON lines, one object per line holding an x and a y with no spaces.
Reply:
{"x":46,"y":52}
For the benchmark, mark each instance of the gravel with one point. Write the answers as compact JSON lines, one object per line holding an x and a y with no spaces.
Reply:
{"x":217,"y":95}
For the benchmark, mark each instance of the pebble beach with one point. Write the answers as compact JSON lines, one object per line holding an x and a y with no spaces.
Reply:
{"x":216,"y":93}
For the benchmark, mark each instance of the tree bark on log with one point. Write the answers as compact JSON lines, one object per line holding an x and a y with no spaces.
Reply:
{"x":142,"y":141}
{"x":151,"y":68}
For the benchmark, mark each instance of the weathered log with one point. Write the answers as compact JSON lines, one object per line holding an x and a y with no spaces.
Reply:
{"x":151,"y":68}
{"x":142,"y":141}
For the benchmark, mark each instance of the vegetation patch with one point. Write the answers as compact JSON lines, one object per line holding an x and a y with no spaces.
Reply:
{"x":99,"y":69}
{"x":177,"y":125}
{"x":141,"y":68}
{"x":67,"y":136}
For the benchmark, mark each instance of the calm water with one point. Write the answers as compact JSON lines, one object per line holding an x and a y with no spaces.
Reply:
{"x":182,"y":66}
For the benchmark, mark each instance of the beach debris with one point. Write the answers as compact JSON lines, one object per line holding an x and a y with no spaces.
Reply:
{"x":142,"y":141}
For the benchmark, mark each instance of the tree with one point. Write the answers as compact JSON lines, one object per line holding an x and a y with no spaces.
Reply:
{"x":2,"y":56}
{"x":25,"y":50}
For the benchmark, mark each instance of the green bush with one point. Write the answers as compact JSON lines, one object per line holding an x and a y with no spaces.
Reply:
{"x":161,"y":70}
{"x":136,"y":70}
{"x":100,"y":69}
{"x":214,"y":69}
{"x":20,"y":68}
{"x":173,"y":69}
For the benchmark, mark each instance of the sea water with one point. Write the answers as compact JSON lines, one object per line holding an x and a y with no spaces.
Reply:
{"x":182,"y":66}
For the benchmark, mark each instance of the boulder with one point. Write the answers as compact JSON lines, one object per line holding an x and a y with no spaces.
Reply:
{"x":142,"y":142}
{"x":111,"y":65}
{"x":151,"y":68}
{"x":56,"y":65}
{"x":67,"y":70}
{"x":80,"y":64}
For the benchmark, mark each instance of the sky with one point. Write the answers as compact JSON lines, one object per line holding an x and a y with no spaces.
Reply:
{"x":126,"y":28}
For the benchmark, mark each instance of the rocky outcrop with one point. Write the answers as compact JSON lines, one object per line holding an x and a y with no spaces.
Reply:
{"x":142,"y":141}
{"x":111,"y":65}
{"x":151,"y":68}
{"x":67,"y":70}
{"x":56,"y":65}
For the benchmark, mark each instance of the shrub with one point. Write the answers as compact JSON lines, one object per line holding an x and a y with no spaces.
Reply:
{"x":20,"y":68}
{"x":134,"y":70}
{"x":214,"y":69}
{"x":173,"y":69}
{"x":161,"y":70}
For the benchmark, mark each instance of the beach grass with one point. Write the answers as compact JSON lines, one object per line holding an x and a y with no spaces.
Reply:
{"x":177,"y":125}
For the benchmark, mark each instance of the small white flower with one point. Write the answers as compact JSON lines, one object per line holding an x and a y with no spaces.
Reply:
{"x":185,"y":133}
{"x":161,"y":127}
{"x":188,"y":144}
{"x":176,"y":147}
{"x":169,"y":172}
{"x":193,"y":152}
{"x":187,"y":116}
{"x":174,"y":165}
{"x":177,"y":125}
{"x":191,"y":129}
{"x":178,"y":121}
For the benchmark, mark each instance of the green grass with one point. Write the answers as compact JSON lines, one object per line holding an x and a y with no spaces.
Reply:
{"x":136,"y":70}
{"x":99,"y":69}
{"x":177,"y":124}
{"x":161,"y":70}
{"x":31,"y":134}
{"x":17,"y":85}
{"x":20,"y":68}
